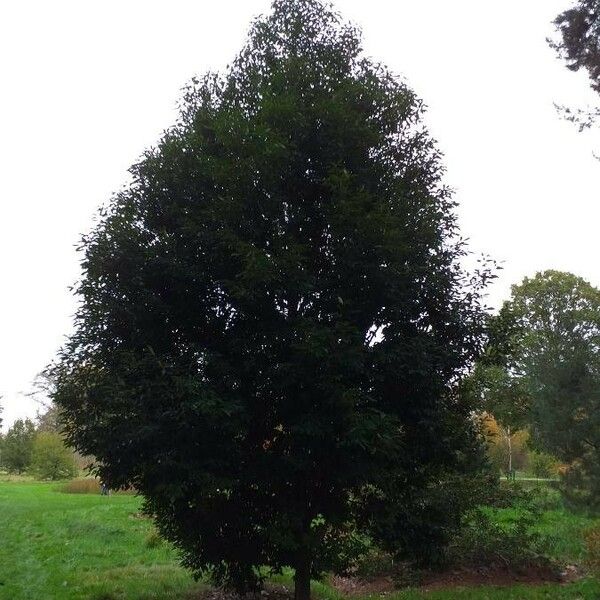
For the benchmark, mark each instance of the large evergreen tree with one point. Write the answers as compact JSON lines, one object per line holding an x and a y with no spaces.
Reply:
{"x":273,"y":315}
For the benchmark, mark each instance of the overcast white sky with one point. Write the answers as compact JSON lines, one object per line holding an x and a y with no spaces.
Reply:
{"x":87,"y":86}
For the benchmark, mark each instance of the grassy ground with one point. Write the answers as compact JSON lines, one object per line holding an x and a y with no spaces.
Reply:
{"x":90,"y":547}
{"x":76,"y":546}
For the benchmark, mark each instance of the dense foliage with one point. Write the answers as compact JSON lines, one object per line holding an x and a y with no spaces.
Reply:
{"x":17,"y":446}
{"x":579,"y":38}
{"x":551,"y":356}
{"x":507,"y":449}
{"x":578,"y":43}
{"x":51,"y":459}
{"x":274,"y":317}
{"x":511,"y":544}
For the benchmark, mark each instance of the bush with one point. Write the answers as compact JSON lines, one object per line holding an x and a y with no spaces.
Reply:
{"x":490,"y":538}
{"x":543,"y":465}
{"x":504,"y":494}
{"x":377,"y":563}
{"x":374,"y":563}
{"x":580,"y":485}
{"x":518,"y":494}
{"x":546,"y":497}
{"x":51,"y":459}
{"x":500,"y":540}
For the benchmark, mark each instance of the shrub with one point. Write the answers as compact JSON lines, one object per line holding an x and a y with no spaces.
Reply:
{"x":508,"y":541}
{"x":505,"y":494}
{"x":373,"y":563}
{"x":545,"y":497}
{"x":580,"y":485}
{"x":543,"y":465}
{"x":51,"y":459}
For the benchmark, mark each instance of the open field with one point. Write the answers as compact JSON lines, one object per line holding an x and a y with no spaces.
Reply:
{"x":91,"y":547}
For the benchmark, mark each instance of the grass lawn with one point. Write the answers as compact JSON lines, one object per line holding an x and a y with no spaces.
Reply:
{"x":91,"y":547}
{"x":75,"y":546}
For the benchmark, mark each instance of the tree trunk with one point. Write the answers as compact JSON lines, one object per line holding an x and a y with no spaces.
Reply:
{"x":302,"y":575}
{"x":509,"y":451}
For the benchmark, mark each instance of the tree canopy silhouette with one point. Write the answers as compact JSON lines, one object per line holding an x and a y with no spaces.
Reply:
{"x":578,"y":44}
{"x":579,"y":41}
{"x":273,"y":315}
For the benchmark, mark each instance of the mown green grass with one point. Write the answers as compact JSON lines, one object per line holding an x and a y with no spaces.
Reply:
{"x":58,"y":546}
{"x":73,"y":546}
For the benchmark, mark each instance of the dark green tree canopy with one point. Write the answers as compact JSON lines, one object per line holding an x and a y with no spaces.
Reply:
{"x":579,"y":41}
{"x":273,"y":315}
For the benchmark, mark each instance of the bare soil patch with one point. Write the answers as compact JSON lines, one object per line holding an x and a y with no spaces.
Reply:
{"x":351,"y":586}
{"x":495,"y":577}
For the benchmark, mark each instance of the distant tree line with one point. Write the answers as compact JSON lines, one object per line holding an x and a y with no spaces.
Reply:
{"x":37,"y":449}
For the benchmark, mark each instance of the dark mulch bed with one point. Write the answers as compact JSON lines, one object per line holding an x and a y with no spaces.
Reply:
{"x":350,"y":586}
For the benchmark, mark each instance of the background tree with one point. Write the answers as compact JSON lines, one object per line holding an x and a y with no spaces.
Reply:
{"x":504,"y":452}
{"x":48,"y":415}
{"x":495,"y":387}
{"x":48,"y":418}
{"x":18,"y":446}
{"x":578,"y":43}
{"x":274,"y":318}
{"x":506,"y":398}
{"x":555,"y":355}
{"x":51,"y":459}
{"x":542,"y":464}
{"x":49,"y":421}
